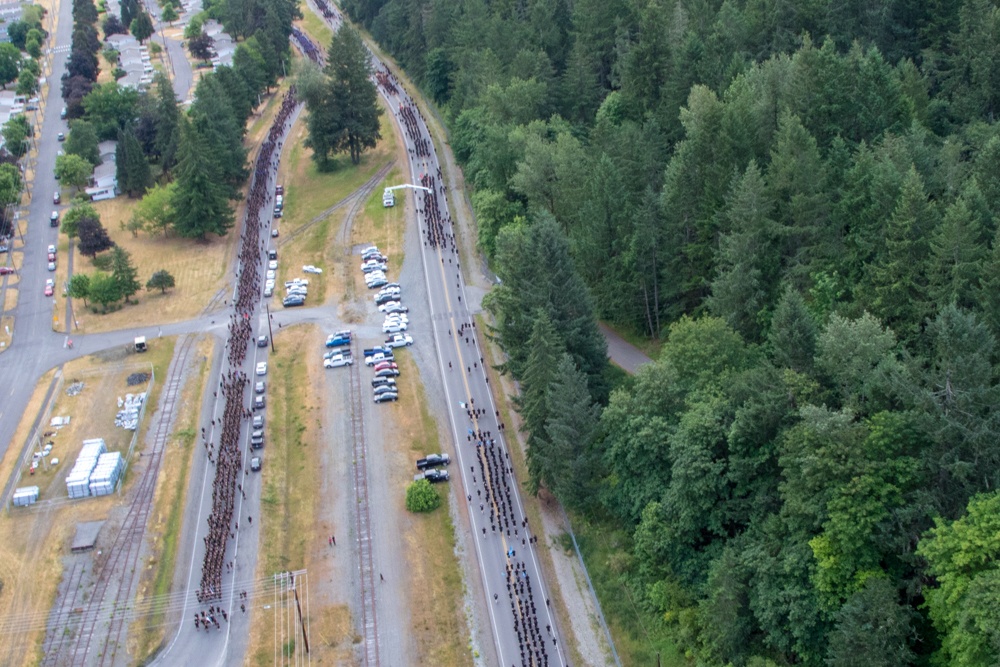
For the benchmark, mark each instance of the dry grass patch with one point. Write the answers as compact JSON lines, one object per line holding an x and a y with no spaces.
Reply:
{"x":32,"y":543}
{"x":199,"y":267}
{"x":291,"y":502}
{"x":168,"y":505}
{"x":308,"y":193}
{"x":10,"y":297}
{"x":439,"y":627}
{"x":382,"y":226}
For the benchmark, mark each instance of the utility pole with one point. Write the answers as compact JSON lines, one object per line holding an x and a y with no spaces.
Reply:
{"x":302,"y":621}
{"x":270,"y":334}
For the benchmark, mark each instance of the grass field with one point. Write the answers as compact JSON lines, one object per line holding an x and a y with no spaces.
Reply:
{"x":290,"y":501}
{"x":168,"y":505}
{"x":308,"y":193}
{"x":197,"y":266}
{"x":439,"y":625}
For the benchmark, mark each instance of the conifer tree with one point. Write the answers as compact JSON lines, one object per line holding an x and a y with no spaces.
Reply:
{"x":131,"y":166}
{"x":124,"y":273}
{"x":200,"y":203}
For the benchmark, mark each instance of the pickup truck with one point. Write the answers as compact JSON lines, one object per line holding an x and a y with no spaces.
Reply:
{"x":375,"y":350}
{"x":399,"y":340}
{"x":432,"y":476}
{"x":377,"y":357}
{"x":432,"y":460}
{"x":339,"y":339}
{"x":338,"y":360}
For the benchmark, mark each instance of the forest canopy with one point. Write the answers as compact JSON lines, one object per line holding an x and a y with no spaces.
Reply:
{"x":801,"y":201}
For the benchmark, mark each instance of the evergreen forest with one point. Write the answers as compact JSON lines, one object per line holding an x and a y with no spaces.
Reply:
{"x":798,"y":204}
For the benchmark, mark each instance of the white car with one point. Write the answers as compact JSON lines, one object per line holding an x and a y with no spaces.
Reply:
{"x":269,"y":283}
{"x":399,"y":340}
{"x":261,"y":368}
{"x":396,"y":310}
{"x":52,"y":249}
{"x":376,"y":358}
{"x":273,"y":264}
{"x":398,"y":317}
{"x":296,"y":281}
{"x":374,"y":274}
{"x":393,"y":327}
{"x":269,"y":291}
{"x":389,"y":304}
{"x":309,"y":268}
{"x":270,"y":275}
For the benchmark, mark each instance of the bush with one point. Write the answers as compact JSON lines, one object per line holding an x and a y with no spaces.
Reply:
{"x":103,"y":261}
{"x":421,"y":497}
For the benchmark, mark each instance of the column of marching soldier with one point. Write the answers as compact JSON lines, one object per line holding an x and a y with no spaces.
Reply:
{"x":227,"y":458}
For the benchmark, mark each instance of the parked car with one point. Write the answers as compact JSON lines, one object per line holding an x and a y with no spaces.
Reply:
{"x":262,"y":341}
{"x":377,"y":358}
{"x":339,"y":339}
{"x":432,"y":460}
{"x":57,"y":198}
{"x":52,"y":266}
{"x":255,"y":464}
{"x":382,"y":365}
{"x":260,"y":387}
{"x":5,"y":270}
{"x":383,"y":298}
{"x":257,"y":439}
{"x":54,"y":219}
{"x":258,"y":421}
{"x":50,"y":288}
{"x":337,"y":361}
{"x":387,"y":397}
{"x":261,"y":368}
{"x":399,"y":340}
{"x":258,"y":402}
{"x":378,"y":282}
{"x":382,"y":389}
{"x":274,"y":232}
{"x":273,"y":264}
{"x":393,"y":327}
{"x":51,"y":248}
{"x":380,"y":381}
{"x":309,"y":268}
{"x":61,"y":136}
{"x":387,"y":373}
{"x":293,"y":300}
{"x":433,"y":476}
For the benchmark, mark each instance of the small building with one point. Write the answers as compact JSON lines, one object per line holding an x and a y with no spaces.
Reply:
{"x":104,"y":182}
{"x":9,"y":12}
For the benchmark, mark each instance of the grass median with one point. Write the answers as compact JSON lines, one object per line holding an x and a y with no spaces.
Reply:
{"x":291,"y":499}
{"x":439,"y":625}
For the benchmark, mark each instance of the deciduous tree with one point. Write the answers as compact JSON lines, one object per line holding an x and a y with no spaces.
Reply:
{"x":161,"y":280}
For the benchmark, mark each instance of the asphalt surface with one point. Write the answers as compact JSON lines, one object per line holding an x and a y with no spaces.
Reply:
{"x":621,"y":352}
{"x":466,"y":387}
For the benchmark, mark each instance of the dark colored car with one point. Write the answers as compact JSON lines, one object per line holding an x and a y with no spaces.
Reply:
{"x":387,"y":397}
{"x":262,"y":341}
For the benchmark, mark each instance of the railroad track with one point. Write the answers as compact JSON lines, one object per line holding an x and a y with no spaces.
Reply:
{"x":369,"y":619}
{"x":111,"y":600}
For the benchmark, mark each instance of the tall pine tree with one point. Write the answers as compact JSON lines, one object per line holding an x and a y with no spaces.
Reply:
{"x":131,"y":166}
{"x":201,"y":201}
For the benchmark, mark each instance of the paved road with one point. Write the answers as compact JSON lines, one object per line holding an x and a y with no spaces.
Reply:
{"x":504,"y":557}
{"x":623,"y":353}
{"x":34,"y":344}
